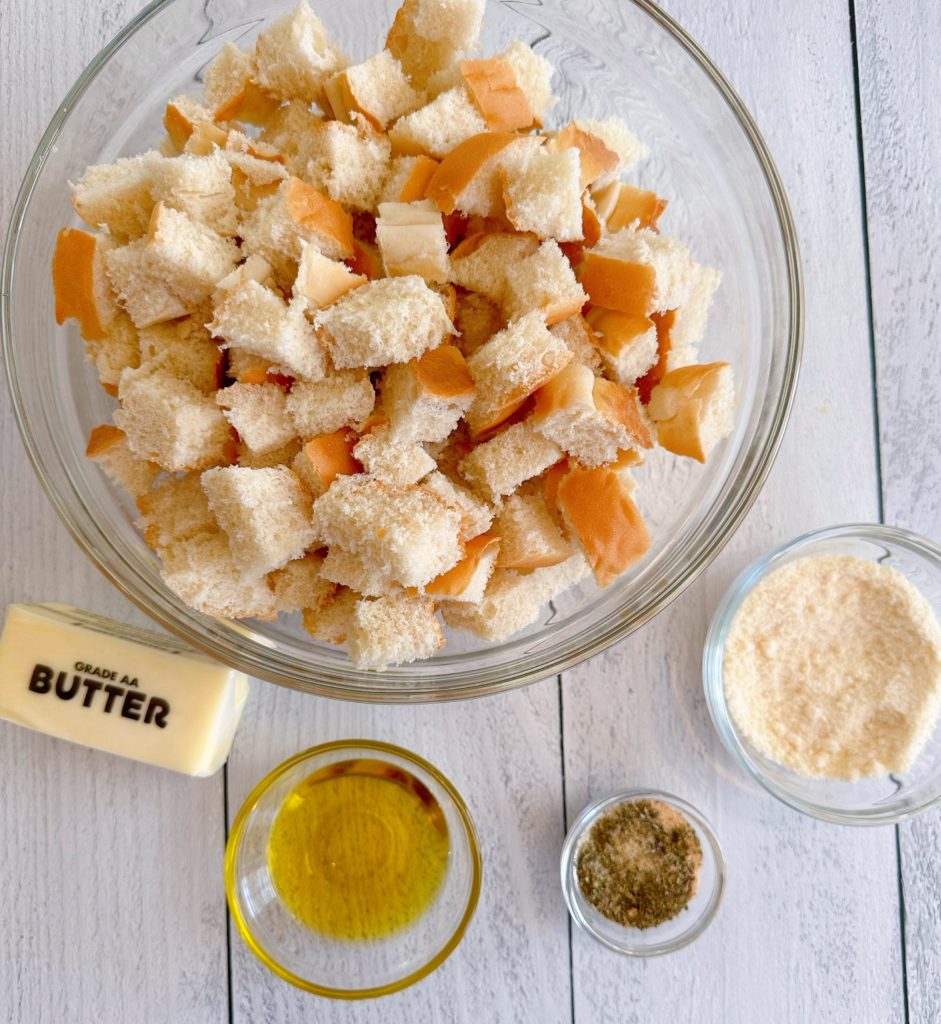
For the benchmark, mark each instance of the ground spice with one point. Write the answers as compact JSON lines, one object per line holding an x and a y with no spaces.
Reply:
{"x":639,"y":864}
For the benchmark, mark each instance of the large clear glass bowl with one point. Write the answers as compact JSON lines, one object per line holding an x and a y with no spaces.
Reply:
{"x":727,"y":202}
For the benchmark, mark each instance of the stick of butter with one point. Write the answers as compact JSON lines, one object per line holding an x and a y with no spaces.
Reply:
{"x":80,"y":677}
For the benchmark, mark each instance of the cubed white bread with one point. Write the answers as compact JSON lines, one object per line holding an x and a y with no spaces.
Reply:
{"x":203,"y":573}
{"x":346,"y":569}
{"x":476,"y":515}
{"x":510,"y":367}
{"x":470,"y":177}
{"x":595,"y":159}
{"x":331,"y":622}
{"x":436,"y":128}
{"x":255,"y":268}
{"x":476,"y":320}
{"x":589,"y":418}
{"x":378,"y":89}
{"x":294,"y":58}
{"x":689,"y":321}
{"x":259,"y":414}
{"x":425,"y":399}
{"x":170,"y":422}
{"x":600,"y":513}
{"x":392,"y":463}
{"x":393,"y":630}
{"x":618,"y":138}
{"x":497,"y":467}
{"x":467,"y":581}
{"x":141,"y":291}
{"x":339,"y":400}
{"x":118,"y":196}
{"x":534,"y":77}
{"x":408,"y":178}
{"x":253,"y":179}
{"x":447,"y":76}
{"x":406,"y":533}
{"x":200,"y":186}
{"x":107,"y":445}
{"x":674,"y":271}
{"x":283,"y":456}
{"x":529,"y":537}
{"x":189,"y":257}
{"x":300,"y":584}
{"x":175,"y":510}
{"x":483,"y":262}
{"x":118,"y":351}
{"x":458,"y":22}
{"x":543,"y":193}
{"x":620,"y":205}
{"x":266,"y":514}
{"x":225,"y":75}
{"x":322,"y":459}
{"x":289,"y":130}
{"x":513,"y":601}
{"x":185,"y":349}
{"x":692,"y":408}
{"x":423,"y":56}
{"x":350,"y":163}
{"x":321,"y":281}
{"x":388,"y":321}
{"x":493,"y":86}
{"x":544,"y":282}
{"x":412,"y":240}
{"x":80,"y":282}
{"x":577,"y":335}
{"x":181,"y":117}
{"x":258,"y":321}
{"x":628,"y":344}
{"x":205,"y":139}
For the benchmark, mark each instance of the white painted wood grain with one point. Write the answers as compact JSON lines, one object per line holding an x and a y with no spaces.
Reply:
{"x":110,"y":882}
{"x":900,"y":80}
{"x":809,"y":929}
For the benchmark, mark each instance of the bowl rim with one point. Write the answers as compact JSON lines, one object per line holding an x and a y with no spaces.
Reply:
{"x":237,"y":831}
{"x":339,"y":685}
{"x":712,"y":668}
{"x":573,"y":838}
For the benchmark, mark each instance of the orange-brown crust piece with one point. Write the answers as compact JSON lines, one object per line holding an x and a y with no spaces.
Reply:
{"x":73,"y":278}
{"x":620,"y":405}
{"x":103,"y":437}
{"x":251,"y":105}
{"x":313,"y":210}
{"x":594,"y":156}
{"x":608,"y":524}
{"x":416,"y":184}
{"x":443,"y":372}
{"x":494,"y":89}
{"x":614,"y":284}
{"x":664,"y":325}
{"x":456,"y":580}
{"x":636,"y":205}
{"x":613,"y":330}
{"x":459,"y":168}
{"x":331,"y":455}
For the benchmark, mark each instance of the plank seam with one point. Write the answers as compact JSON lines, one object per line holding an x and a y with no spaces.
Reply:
{"x":565,"y":825}
{"x":228,"y":916}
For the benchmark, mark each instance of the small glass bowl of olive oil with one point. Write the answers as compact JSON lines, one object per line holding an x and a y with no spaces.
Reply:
{"x":353,"y":869}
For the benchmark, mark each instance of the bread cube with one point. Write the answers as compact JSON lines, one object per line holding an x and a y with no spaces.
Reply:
{"x":476,"y":515}
{"x":254,"y":179}
{"x":601,"y":514}
{"x":266,"y":514}
{"x":289,"y":132}
{"x":294,"y":58}
{"x":621,"y":205}
{"x":322,"y":459}
{"x":378,"y":89}
{"x":494,"y":89}
{"x":300,"y":585}
{"x":348,"y":570}
{"x":543,"y":194}
{"x":176,"y":509}
{"x":436,"y":128}
{"x":189,"y":257}
{"x":545,"y":282}
{"x":497,"y":467}
{"x":200,"y":186}
{"x":618,"y":139}
{"x":405,"y":533}
{"x":185,"y":349}
{"x":412,"y":241}
{"x":170,"y":422}
{"x":258,"y":321}
{"x":320,"y":281}
{"x":467,"y":581}
{"x":659,"y":271}
{"x":141,"y":291}
{"x":427,"y":36}
{"x":390,"y":462}
{"x":588,"y":417}
{"x":689,"y":320}
{"x":118,"y":351}
{"x":514,"y":601}
{"x":259,"y":413}
{"x":510,"y":367}
{"x":387,"y":321}
{"x":283,"y":456}
{"x":340,"y":400}
{"x":331,"y":621}
{"x":181,"y":117}
{"x":80,"y":282}
{"x":226,"y":74}
{"x":425,"y":399}
{"x":692,"y":408}
{"x":408,"y":178}
{"x":595,"y":159}
{"x":529,"y":536}
{"x":484,"y":262}
{"x":118,"y":196}
{"x":107,"y":445}
{"x":579,"y":338}
{"x":534,"y":76}
{"x":393,"y":630}
{"x":255,"y":268}
{"x":350,"y":163}
{"x":628,"y":344}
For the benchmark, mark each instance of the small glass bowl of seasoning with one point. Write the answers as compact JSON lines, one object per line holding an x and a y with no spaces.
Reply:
{"x":353,"y":869}
{"x":642,"y":872}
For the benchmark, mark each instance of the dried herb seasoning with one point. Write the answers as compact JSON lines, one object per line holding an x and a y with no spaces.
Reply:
{"x":639,"y":864}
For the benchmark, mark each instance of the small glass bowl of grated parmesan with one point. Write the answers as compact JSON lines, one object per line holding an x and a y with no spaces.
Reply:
{"x":822,"y":673}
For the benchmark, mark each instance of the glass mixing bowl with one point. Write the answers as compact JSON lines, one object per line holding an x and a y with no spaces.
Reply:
{"x":727,"y":202}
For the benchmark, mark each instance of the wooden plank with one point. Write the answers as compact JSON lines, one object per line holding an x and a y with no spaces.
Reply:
{"x":112,"y":900}
{"x":502,"y":753}
{"x":900,"y":80}
{"x":809,"y":929}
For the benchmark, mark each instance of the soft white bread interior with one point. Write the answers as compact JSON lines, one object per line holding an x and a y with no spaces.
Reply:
{"x":393,"y":630}
{"x":341,"y":399}
{"x":390,"y":462}
{"x":300,"y":584}
{"x":378,"y":89}
{"x":497,"y":467}
{"x":529,"y":536}
{"x":577,"y":335}
{"x":141,"y":291}
{"x":258,"y":412}
{"x":543,"y":193}
{"x":118,"y":196}
{"x":184,"y":349}
{"x":425,"y":399}
{"x":436,"y":128}
{"x":349,"y":162}
{"x":332,"y":620}
{"x":107,"y":445}
{"x":483,"y":262}
{"x":545,"y":282}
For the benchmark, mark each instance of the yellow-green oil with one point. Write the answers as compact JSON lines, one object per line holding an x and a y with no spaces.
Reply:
{"x":359,"y":849}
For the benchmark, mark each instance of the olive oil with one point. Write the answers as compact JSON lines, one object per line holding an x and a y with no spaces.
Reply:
{"x":359,"y":849}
